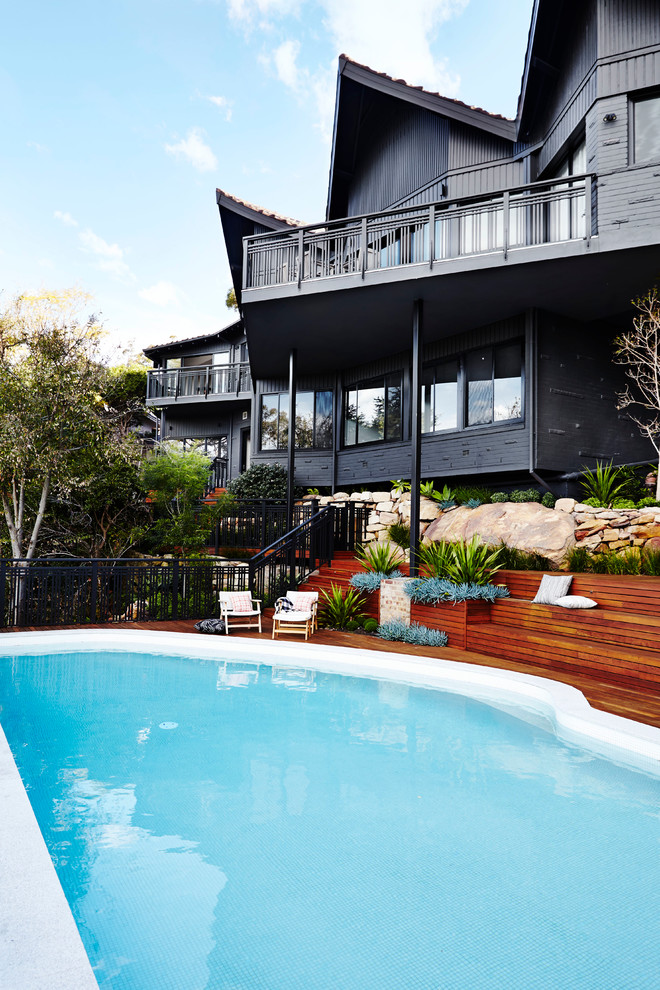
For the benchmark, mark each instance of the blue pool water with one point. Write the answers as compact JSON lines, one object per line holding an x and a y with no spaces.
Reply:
{"x":237,"y":827}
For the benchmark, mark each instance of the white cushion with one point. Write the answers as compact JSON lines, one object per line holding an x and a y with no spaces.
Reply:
{"x":551,"y":588}
{"x":575,"y":601}
{"x":293,"y":616}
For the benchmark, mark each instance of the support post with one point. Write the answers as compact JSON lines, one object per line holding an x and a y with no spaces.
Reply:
{"x":416,"y":437}
{"x":291,"y":458}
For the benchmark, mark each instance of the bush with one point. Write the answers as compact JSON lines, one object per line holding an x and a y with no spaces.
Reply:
{"x":471,"y":563}
{"x":579,"y":559}
{"x":382,"y":558}
{"x":397,"y":631}
{"x":366,"y":583}
{"x":623,"y":503}
{"x":472,"y":493}
{"x":649,"y":501}
{"x":525,"y":495}
{"x":370,"y":625}
{"x":512,"y":559}
{"x":500,"y":497}
{"x":436,"y":591}
{"x":262,"y":481}
{"x":595,"y":503}
{"x":352,"y":625}
{"x":549,"y":500}
{"x":651,"y":562}
{"x":434,"y":558}
{"x":399,"y":533}
{"x":338,"y":609}
{"x":605,"y":483}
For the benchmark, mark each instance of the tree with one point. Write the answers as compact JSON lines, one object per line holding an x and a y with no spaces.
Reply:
{"x":230,"y":301}
{"x":51,"y":380}
{"x":638,"y":351}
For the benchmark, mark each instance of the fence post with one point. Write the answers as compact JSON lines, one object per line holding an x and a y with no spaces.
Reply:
{"x":263,"y":524}
{"x":505,"y":224}
{"x":92,"y":601}
{"x":175,"y":589}
{"x":351,"y":526}
{"x":3,"y":586}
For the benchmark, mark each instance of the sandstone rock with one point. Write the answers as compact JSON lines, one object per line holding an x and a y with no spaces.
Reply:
{"x":387,"y":518}
{"x":381,"y":496}
{"x":385,"y":506}
{"x":565,"y":504}
{"x":653,"y":543}
{"x":341,"y":497}
{"x":526,"y":526}
{"x":361,"y":497}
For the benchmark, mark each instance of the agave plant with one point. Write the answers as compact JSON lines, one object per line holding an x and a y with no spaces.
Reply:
{"x":434,"y":558}
{"x":473,"y":562}
{"x":339,"y":608}
{"x":604,"y":484}
{"x":381,"y":557}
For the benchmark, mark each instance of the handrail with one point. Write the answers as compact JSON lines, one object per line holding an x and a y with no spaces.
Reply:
{"x":420,"y":207}
{"x":292,"y":557}
{"x":201,"y":380}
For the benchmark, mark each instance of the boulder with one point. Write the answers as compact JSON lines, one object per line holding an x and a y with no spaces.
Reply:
{"x":525,"y":526}
{"x":565,"y":504}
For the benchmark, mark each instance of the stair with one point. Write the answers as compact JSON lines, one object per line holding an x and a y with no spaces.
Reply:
{"x":339,"y":572}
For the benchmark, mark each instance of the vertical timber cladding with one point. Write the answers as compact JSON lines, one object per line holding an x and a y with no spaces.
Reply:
{"x":577,"y":381}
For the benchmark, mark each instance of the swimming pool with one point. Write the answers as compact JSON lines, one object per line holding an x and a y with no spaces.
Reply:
{"x":228,"y":823}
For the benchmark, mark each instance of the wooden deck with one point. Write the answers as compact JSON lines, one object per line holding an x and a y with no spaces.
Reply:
{"x":628,"y":700}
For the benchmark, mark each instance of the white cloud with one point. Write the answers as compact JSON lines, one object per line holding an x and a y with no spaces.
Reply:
{"x":65,"y":218}
{"x":284,"y":59}
{"x":161,"y":294}
{"x":193,"y":149}
{"x":42,"y":149}
{"x":110,"y":256}
{"x":223,"y":104}
{"x":379,"y":34}
{"x":246,"y":11}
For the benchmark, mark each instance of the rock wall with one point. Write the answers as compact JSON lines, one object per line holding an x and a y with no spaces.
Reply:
{"x":527,"y":525}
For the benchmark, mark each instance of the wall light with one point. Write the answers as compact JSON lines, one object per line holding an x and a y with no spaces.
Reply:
{"x":609,"y":118}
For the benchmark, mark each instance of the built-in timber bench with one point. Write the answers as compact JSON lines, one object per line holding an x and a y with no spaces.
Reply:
{"x":619,"y":640}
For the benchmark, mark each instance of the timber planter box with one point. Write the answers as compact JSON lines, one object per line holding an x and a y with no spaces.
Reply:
{"x":452,"y":619}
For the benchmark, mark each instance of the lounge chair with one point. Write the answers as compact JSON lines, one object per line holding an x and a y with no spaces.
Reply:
{"x":302,"y":620}
{"x":240,"y":610}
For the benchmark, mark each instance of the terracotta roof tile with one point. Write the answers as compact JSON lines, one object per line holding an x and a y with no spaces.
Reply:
{"x":261,"y":210}
{"x":402,"y":82}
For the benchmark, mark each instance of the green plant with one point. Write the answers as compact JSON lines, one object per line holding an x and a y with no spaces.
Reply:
{"x":613,"y":562}
{"x":623,"y":503}
{"x":512,"y":559}
{"x":434,"y":558}
{"x":579,"y":559}
{"x":366,"y":583}
{"x":500,"y":497}
{"x":352,"y":625}
{"x":525,"y":495}
{"x":650,"y":562}
{"x":262,"y":481}
{"x":397,"y":631}
{"x":465,"y":494}
{"x":436,"y":591}
{"x":312,"y":491}
{"x":473,"y":503}
{"x":595,"y":503}
{"x":383,"y":558}
{"x":338,"y":609}
{"x":605,"y":483}
{"x":370,"y":625}
{"x":648,"y":501}
{"x":399,"y":487}
{"x":399,"y":533}
{"x":473,"y":562}
{"x":549,"y":500}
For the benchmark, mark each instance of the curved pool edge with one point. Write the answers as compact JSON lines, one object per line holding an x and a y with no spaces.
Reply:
{"x":42,"y":947}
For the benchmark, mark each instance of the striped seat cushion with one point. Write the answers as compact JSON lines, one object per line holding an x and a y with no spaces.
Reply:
{"x":241,"y":601}
{"x":302,"y":601}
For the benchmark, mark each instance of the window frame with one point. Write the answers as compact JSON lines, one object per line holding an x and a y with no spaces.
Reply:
{"x":634,"y":99}
{"x":387,"y":382}
{"x":493,"y":423}
{"x":280,"y":395}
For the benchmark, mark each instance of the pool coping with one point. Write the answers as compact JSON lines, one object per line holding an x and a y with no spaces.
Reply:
{"x":40,"y":947}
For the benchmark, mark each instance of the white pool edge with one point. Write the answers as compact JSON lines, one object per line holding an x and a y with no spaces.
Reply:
{"x":40,"y":947}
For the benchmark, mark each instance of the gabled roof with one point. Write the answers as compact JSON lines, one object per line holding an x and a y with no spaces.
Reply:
{"x":227,"y":333}
{"x":274,"y":221}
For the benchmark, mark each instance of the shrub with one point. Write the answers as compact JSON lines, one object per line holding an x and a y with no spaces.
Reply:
{"x":595,"y":503}
{"x":500,"y":497}
{"x":262,"y":481}
{"x":468,"y":493}
{"x":623,"y":503}
{"x":473,"y":503}
{"x":649,"y":501}
{"x":399,"y":533}
{"x":473,"y":562}
{"x":512,"y":559}
{"x":366,"y":583}
{"x":383,"y":558}
{"x":579,"y":559}
{"x":435,"y":591}
{"x":352,"y":625}
{"x":605,"y":483}
{"x":611,"y":562}
{"x":525,"y":495}
{"x":416,"y":634}
{"x":338,"y":609}
{"x":651,"y":562}
{"x":370,"y":625}
{"x":434,"y":558}
{"x":549,"y":500}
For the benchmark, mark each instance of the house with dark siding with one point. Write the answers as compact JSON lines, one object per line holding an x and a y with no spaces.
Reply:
{"x":452,"y":315}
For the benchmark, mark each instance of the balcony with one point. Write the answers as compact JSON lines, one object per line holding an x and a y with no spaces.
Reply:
{"x":424,"y":237}
{"x":208,"y":382}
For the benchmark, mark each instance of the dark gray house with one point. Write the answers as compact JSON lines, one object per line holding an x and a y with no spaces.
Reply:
{"x":452,"y":315}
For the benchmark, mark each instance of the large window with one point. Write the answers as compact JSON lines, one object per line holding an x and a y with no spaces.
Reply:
{"x":566,"y":217}
{"x":372,"y":411}
{"x":493,"y":382}
{"x":440,"y":397}
{"x":313,"y":420}
{"x":646,"y":128}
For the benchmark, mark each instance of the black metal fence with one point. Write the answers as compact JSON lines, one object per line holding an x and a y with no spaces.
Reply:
{"x":63,"y":592}
{"x":350,"y":520}
{"x":292,"y":558}
{"x":258,"y":524}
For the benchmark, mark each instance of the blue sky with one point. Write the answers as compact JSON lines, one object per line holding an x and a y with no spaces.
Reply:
{"x":119,"y":119}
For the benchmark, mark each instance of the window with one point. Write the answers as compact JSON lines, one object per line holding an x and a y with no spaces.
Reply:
{"x":372,"y":411}
{"x":440,"y":397}
{"x":313,"y":420}
{"x":646,"y":128}
{"x":493,"y":378}
{"x":566,"y":217}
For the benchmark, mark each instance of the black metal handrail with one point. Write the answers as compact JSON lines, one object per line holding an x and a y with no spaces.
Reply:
{"x":292,"y":557}
{"x":251,"y":524}
{"x":81,"y":591}
{"x":201,"y":382}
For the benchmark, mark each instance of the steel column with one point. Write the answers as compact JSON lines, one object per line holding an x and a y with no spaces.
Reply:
{"x":416,"y":435}
{"x":291,"y":457}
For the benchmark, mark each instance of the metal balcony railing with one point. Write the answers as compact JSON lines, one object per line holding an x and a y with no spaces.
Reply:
{"x":540,"y":213}
{"x":175,"y":383}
